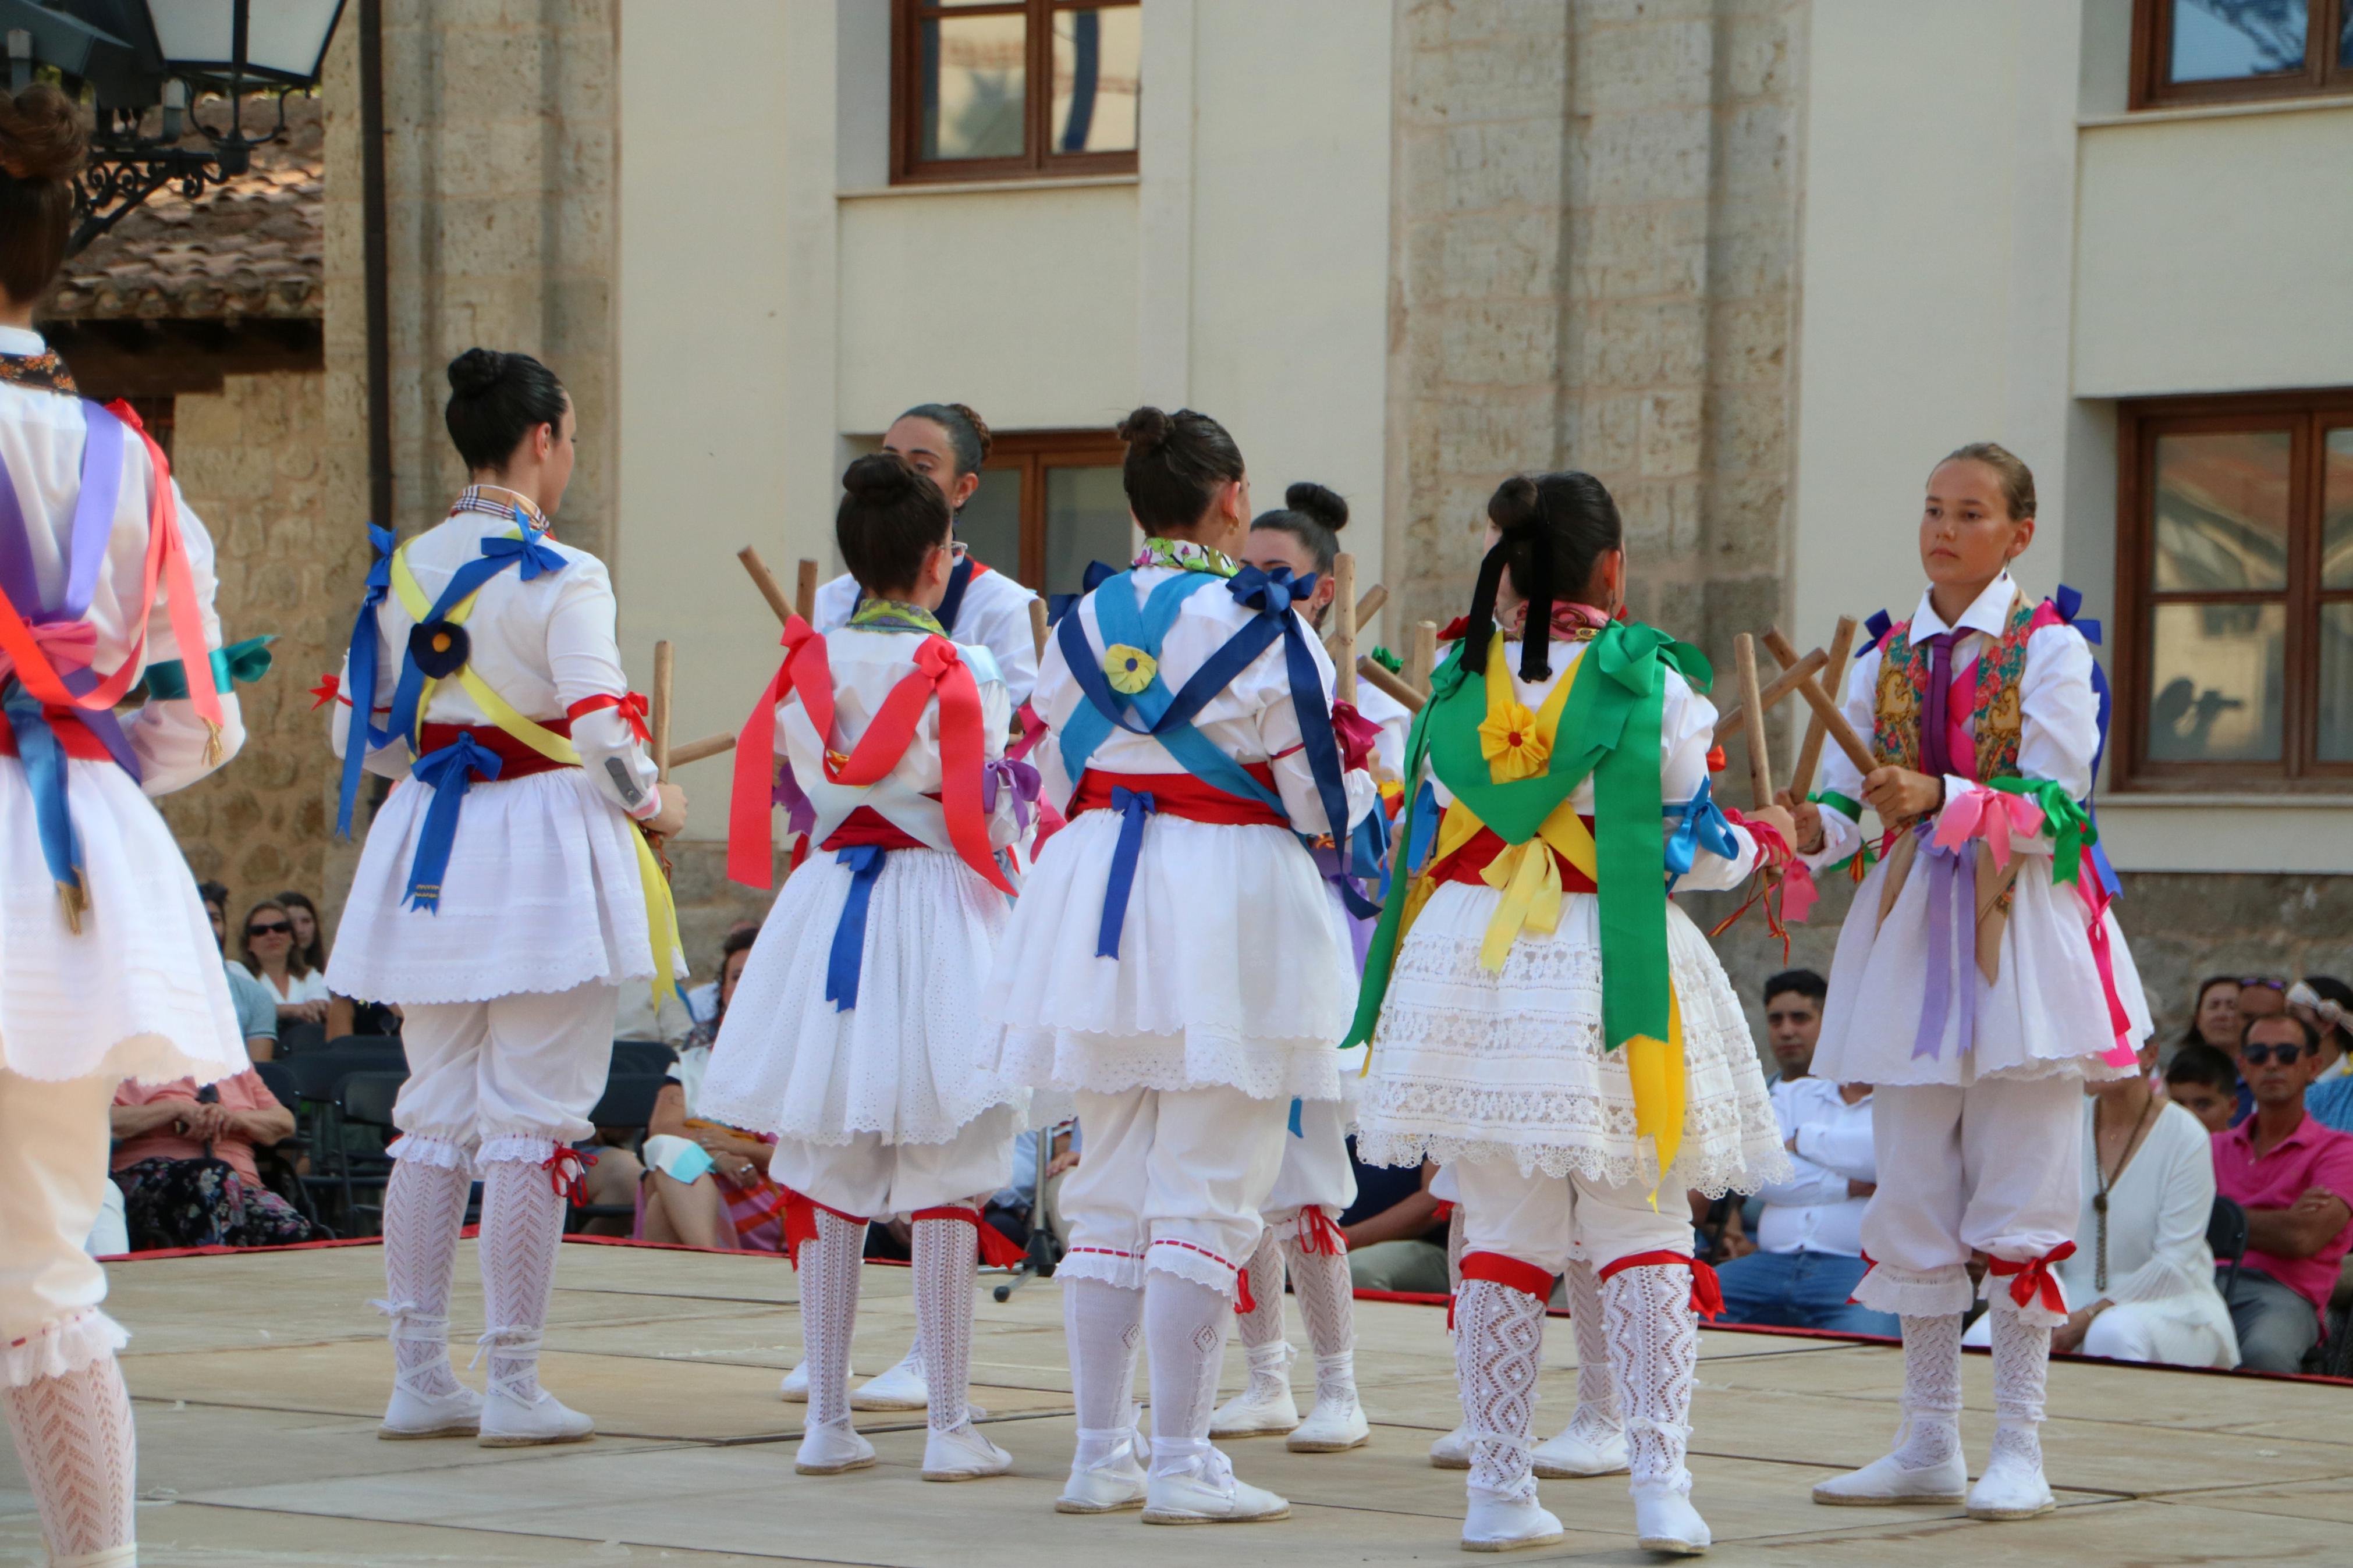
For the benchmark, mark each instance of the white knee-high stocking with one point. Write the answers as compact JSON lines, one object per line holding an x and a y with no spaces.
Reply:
{"x":523,"y":1230}
{"x":1653,"y":1337}
{"x":1327,"y":1299}
{"x":829,"y":1266}
{"x":1598,"y":1418}
{"x":1104,"y":1325}
{"x":1184,"y":1324}
{"x":74,"y":1438}
{"x":424,"y":1213}
{"x":1932,"y":1392}
{"x":946,"y":1261}
{"x":1498,"y":1350}
{"x":2022,"y":1371}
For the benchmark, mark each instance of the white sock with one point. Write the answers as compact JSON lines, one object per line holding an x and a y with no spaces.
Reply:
{"x":424,"y":1213}
{"x":2022,"y":1371}
{"x":946,"y":1261}
{"x":829,"y":1266}
{"x":1932,"y":1392}
{"x":1597,"y":1417}
{"x":74,"y":1438}
{"x":1327,"y":1299}
{"x":1654,"y":1357}
{"x":1262,"y":1325}
{"x":1105,"y":1326}
{"x":1185,"y":1325}
{"x":523,"y":1230}
{"x":1498,"y":1352}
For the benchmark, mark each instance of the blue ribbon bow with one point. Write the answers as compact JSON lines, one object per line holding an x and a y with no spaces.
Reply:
{"x":1093,"y":577}
{"x":1700,"y":823}
{"x":845,"y":961}
{"x":536,"y":558}
{"x":1878,"y":625}
{"x":1132,"y":806}
{"x":363,"y":736}
{"x":448,"y":771}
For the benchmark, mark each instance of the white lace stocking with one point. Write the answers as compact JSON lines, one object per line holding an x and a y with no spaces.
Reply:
{"x":1932,"y":1392}
{"x":1597,"y":1417}
{"x":1455,"y":1231}
{"x":829,"y":1275}
{"x":946,"y":1261}
{"x":1104,"y":1325}
{"x":2021,"y":1370}
{"x":1653,"y":1337}
{"x":523,"y":1230}
{"x":1327,"y":1299}
{"x":74,"y":1438}
{"x":1262,"y":1324}
{"x":1185,"y":1325}
{"x":423,"y":1211}
{"x":1498,"y":1352}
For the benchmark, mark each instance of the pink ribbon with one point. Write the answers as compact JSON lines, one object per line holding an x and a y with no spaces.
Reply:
{"x":69,"y":645}
{"x":1990,"y":814}
{"x":2095,"y":897}
{"x":1799,"y":893}
{"x":1358,"y":735}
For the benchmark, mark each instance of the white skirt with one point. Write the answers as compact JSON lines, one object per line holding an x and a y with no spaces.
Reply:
{"x":2044,"y":1014}
{"x":913,"y":1062}
{"x":1234,"y":966}
{"x":140,"y":993}
{"x":541,"y":894}
{"x":1471,"y":1065}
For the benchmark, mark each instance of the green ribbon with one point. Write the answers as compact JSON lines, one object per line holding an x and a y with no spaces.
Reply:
{"x":1609,"y":729}
{"x":239,"y":664}
{"x":1388,"y":660}
{"x":2065,"y":823}
{"x":1854,"y":809}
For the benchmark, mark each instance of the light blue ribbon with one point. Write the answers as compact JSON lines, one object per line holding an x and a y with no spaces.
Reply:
{"x":45,"y":774}
{"x":1700,"y":823}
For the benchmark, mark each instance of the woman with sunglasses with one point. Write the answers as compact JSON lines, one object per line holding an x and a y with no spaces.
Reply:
{"x":271,"y":957}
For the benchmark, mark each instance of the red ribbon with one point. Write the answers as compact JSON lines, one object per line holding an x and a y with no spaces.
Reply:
{"x":1318,"y":1235}
{"x":1707,"y":1294}
{"x":996,"y":1248}
{"x":1244,"y":1303}
{"x":1500,"y":1269}
{"x":800,"y":1222}
{"x":567,"y":1173}
{"x":1358,"y":735}
{"x":329,"y":689}
{"x":1869,"y":1263}
{"x":2033,"y":1278}
{"x":631,"y":705}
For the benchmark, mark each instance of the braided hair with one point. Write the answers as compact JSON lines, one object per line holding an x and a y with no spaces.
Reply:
{"x":1553,"y":530}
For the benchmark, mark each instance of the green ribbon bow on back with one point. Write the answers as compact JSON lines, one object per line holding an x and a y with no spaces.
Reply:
{"x":241,"y":664}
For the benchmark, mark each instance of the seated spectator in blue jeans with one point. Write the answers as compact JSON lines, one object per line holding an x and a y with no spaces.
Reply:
{"x":1396,"y":1231}
{"x":1808,"y":1253}
{"x":2294,"y":1178}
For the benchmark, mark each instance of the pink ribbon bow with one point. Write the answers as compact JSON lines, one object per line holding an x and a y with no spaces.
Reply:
{"x":69,"y":645}
{"x":1991,"y":815}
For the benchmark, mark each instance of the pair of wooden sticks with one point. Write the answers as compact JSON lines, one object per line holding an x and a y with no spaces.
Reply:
{"x":1799,"y":677}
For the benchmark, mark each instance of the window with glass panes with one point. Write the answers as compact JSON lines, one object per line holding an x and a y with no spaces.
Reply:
{"x":1050,"y":502}
{"x":994,"y":90}
{"x":2212,"y":51}
{"x":2234,"y":658}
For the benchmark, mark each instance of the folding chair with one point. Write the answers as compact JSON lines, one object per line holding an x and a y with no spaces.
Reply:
{"x":364,"y":1099}
{"x":628,"y":1103}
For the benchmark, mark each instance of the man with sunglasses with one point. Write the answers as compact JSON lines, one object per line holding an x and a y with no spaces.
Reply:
{"x":2294,"y":1178}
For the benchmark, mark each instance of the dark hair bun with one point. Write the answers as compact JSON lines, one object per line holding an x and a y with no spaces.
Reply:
{"x":1312,"y":499}
{"x":476,"y":371}
{"x":880,"y":478}
{"x":41,"y":134}
{"x":979,"y":429}
{"x":1146,"y":427}
{"x":1514,"y":505}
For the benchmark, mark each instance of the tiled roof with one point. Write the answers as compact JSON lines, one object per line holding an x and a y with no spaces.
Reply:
{"x":252,"y":247}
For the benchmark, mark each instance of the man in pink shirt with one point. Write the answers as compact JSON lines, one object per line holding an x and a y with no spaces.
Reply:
{"x":2294,"y":1178}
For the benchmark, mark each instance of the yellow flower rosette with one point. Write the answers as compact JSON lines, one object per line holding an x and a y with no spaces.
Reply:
{"x":1129,"y":669}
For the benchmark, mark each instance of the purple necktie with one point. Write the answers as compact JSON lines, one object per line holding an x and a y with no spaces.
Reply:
{"x":1935,"y":756}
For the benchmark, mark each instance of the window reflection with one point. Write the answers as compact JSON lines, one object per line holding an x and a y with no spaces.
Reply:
{"x":2222,"y":511}
{"x":990,"y":522}
{"x":2215,"y":683}
{"x":975,"y":77}
{"x":1086,"y":520}
{"x":2217,"y":40}
{"x":2336,"y":509}
{"x":1096,"y":54}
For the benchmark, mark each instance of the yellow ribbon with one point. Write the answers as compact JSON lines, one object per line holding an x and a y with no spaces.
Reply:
{"x":1525,"y":874}
{"x":1655,"y":1068}
{"x":661,"y":909}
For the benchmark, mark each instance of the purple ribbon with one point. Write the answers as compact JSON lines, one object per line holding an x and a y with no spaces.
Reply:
{"x":1020,"y":777}
{"x":1951,"y":988}
{"x":1935,"y":755}
{"x":1333,"y":867}
{"x":800,"y":813}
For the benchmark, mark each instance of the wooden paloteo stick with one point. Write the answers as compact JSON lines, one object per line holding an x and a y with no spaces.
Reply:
{"x":695,"y":750}
{"x":1344,"y":611}
{"x":765,"y":581}
{"x":1367,"y":606}
{"x":1760,"y":761}
{"x":1826,"y":708}
{"x":1038,"y":624}
{"x":664,"y":668}
{"x":1818,"y":729}
{"x":1374,"y":675}
{"x":1784,"y":686}
{"x":804,"y":591}
{"x":1421,"y":659}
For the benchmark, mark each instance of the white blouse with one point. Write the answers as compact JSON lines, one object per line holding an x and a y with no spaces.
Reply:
{"x":2157,"y":1211}
{"x":994,"y":614}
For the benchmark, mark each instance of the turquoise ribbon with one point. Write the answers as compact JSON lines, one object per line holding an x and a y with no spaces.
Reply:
{"x":239,"y":664}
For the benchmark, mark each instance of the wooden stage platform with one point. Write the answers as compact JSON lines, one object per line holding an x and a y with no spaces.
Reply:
{"x":260,"y":1378}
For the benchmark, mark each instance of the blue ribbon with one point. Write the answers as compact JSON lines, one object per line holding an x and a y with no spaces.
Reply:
{"x":1132,"y":806}
{"x":2067,"y":602}
{"x":359,"y":668}
{"x":1297,"y":1108}
{"x":1058,"y":604}
{"x":1422,"y":829}
{"x":448,"y":771}
{"x":1700,"y":823}
{"x":45,"y":774}
{"x":537,"y":558}
{"x":1878,"y":625}
{"x":498,"y":554}
{"x":846,"y":959}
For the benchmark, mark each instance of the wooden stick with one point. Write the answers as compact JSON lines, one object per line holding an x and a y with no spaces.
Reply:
{"x":1787,"y":684}
{"x":1835,"y":722}
{"x":1375,"y":598}
{"x":664,"y":665}
{"x":765,"y":581}
{"x":1421,"y":659}
{"x":1344,"y":610}
{"x":1038,"y":624}
{"x":1818,"y":729}
{"x":1760,"y":761}
{"x":695,"y":750}
{"x":1375,"y":676}
{"x":804,"y":591}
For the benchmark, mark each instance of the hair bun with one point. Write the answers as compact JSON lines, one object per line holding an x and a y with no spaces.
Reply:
{"x":1148,"y":428}
{"x":1326,"y":506}
{"x":41,"y":134}
{"x":880,"y":476}
{"x":1514,"y":505}
{"x":476,"y":371}
{"x":979,"y":428}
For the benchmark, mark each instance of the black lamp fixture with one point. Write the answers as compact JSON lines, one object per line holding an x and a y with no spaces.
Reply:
{"x":141,"y":55}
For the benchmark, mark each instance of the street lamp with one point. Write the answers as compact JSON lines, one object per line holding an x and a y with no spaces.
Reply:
{"x":138,"y":54}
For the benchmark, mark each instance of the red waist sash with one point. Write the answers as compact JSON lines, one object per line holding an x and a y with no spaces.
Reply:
{"x":516,"y":760}
{"x":1468,"y":863}
{"x":72,"y":735}
{"x":866,"y":826}
{"x":1180,"y":795}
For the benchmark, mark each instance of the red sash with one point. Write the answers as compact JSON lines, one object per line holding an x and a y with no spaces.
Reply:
{"x":516,"y":760}
{"x":868,"y":826}
{"x":73,"y":736}
{"x":1468,"y":863}
{"x":1180,"y":795}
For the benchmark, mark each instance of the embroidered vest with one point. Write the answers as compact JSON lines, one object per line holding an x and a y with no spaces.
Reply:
{"x":1903,"y":692}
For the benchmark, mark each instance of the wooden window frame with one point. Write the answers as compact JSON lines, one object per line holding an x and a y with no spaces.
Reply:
{"x":1030,"y":453}
{"x":2308,"y":417}
{"x":2152,"y":48}
{"x":909,"y":168}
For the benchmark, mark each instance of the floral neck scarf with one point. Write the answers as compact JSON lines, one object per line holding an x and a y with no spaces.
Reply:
{"x":894,"y":616}
{"x":43,"y":371}
{"x":1185,"y":556}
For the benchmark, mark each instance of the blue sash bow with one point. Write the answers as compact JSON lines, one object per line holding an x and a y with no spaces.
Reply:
{"x":1700,"y":823}
{"x":449,"y":772}
{"x":845,"y":959}
{"x":1132,"y":806}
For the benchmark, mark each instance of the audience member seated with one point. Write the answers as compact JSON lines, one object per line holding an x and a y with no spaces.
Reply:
{"x":2204,"y":1082}
{"x":702,"y":1001}
{"x":2214,"y":1015}
{"x":1808,"y":1253}
{"x":1793,"y":1020}
{"x":296,"y":989}
{"x":184,"y":1159}
{"x":256,"y":1010}
{"x":1008,"y":1208}
{"x":707,"y":1184}
{"x":310,"y":936}
{"x":2327,"y":1005}
{"x":2141,"y":1282}
{"x":2294,"y":1178}
{"x":1396,"y":1230}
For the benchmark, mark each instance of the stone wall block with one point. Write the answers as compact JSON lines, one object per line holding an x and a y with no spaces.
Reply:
{"x":1661,"y":64}
{"x":1500,"y":165}
{"x":1500,"y":343}
{"x":1670,"y":434}
{"x":1656,"y":155}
